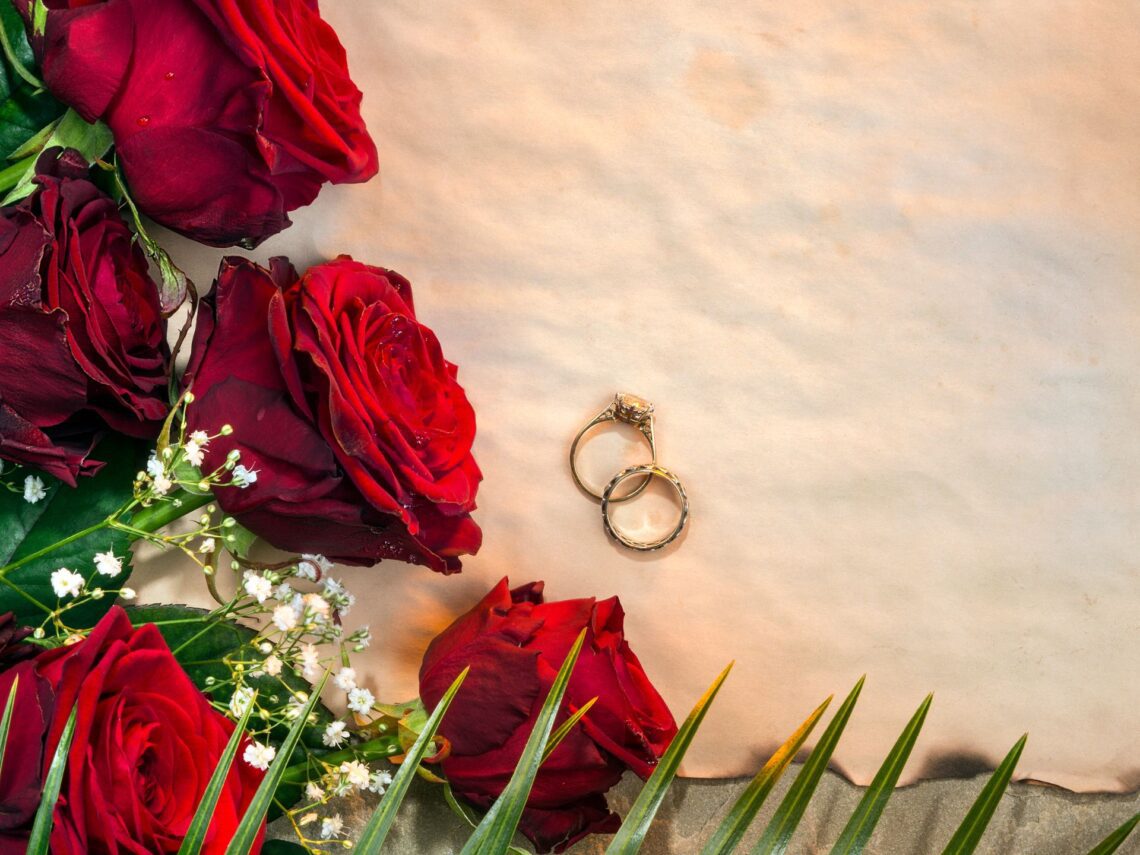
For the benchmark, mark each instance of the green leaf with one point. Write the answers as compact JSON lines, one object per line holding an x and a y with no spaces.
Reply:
{"x":465,"y":813}
{"x":246,"y":833}
{"x":200,"y":824}
{"x":73,"y":131}
{"x":374,"y":833}
{"x":24,"y":108}
{"x":862,"y":823}
{"x":1113,"y":842}
{"x":27,"y":559}
{"x":7,"y":720}
{"x":564,"y":729}
{"x":41,"y":826}
{"x":200,"y":641}
{"x":632,"y":833}
{"x":783,"y":824}
{"x":494,"y":833}
{"x":970,"y":832}
{"x":736,"y":823}
{"x":39,"y":17}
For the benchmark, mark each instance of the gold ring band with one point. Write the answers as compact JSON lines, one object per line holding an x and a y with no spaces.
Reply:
{"x":630,"y":410}
{"x":650,"y":471}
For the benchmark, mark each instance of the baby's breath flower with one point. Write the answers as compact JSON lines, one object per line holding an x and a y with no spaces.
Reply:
{"x":154,"y":466}
{"x":379,"y":782}
{"x":296,"y":705}
{"x":331,"y":826}
{"x":272,"y":665}
{"x":208,"y":544}
{"x":316,"y":605}
{"x":108,"y":564}
{"x":259,"y":756}
{"x":162,"y":485}
{"x":200,"y":438}
{"x":312,"y":566}
{"x":240,"y":701}
{"x":310,"y":661}
{"x":335,"y":734}
{"x":257,"y":586}
{"x":243,"y":476}
{"x":66,"y":583}
{"x":284,"y":618}
{"x":34,"y":489}
{"x":313,"y":791}
{"x":193,"y":452}
{"x":361,"y":637}
{"x":356,"y":773}
{"x":360,"y":700}
{"x":345,"y":679}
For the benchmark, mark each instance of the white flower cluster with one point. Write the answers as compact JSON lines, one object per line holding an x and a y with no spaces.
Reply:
{"x":178,"y":464}
{"x":315,"y":615}
{"x":67,"y":583}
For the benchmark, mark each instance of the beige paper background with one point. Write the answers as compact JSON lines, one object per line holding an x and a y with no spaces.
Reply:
{"x":876,"y":263}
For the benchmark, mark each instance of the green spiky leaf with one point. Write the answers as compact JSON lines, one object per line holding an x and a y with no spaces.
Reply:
{"x":740,"y":817}
{"x":783,"y":824}
{"x":631,"y":835}
{"x":246,"y":832}
{"x":1115,"y":840}
{"x":494,"y":833}
{"x":866,"y":816}
{"x":6,"y":722}
{"x":375,"y":832}
{"x":200,"y":824}
{"x":40,"y":838}
{"x":969,"y":833}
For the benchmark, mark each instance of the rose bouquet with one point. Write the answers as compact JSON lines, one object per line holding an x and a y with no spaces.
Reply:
{"x":317,"y":421}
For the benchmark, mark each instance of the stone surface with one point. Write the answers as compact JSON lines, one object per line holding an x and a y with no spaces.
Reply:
{"x":919,"y":820}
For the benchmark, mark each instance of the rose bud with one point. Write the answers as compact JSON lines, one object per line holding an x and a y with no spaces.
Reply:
{"x":515,"y":644}
{"x":82,"y":339}
{"x":357,"y":435}
{"x":227,"y":114}
{"x":146,"y":743}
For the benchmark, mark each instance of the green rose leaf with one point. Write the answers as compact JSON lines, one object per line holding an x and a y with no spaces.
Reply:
{"x":201,"y":641}
{"x":24,"y":107}
{"x":62,"y":514}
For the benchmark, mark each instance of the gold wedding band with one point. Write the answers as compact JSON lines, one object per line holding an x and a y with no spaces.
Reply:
{"x":650,"y":471}
{"x":630,"y":410}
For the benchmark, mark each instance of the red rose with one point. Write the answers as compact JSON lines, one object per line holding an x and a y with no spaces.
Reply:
{"x":515,"y":644}
{"x":343,"y":405}
{"x":82,"y":339}
{"x":227,"y":114}
{"x":146,"y":742}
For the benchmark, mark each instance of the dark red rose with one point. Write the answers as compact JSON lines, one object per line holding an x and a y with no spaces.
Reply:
{"x":227,"y":114}
{"x":343,"y":404}
{"x":13,"y":648}
{"x":82,"y":338}
{"x":515,"y":644}
{"x":146,"y":742}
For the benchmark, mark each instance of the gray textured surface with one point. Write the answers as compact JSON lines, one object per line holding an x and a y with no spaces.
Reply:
{"x":1032,"y":819}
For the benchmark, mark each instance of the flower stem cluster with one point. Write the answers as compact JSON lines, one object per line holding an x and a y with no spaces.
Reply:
{"x":299,"y":608}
